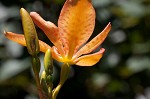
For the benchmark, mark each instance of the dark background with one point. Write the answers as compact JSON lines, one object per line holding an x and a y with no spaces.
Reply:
{"x":122,"y":73}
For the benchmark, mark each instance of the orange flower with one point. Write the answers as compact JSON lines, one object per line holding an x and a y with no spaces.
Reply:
{"x":75,"y":26}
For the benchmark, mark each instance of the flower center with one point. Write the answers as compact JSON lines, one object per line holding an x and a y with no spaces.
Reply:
{"x":67,"y":60}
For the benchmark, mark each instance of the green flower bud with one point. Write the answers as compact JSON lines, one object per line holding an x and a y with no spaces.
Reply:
{"x":49,"y":80}
{"x":43,"y":82}
{"x":46,"y":83}
{"x":30,"y":33}
{"x":48,"y":62}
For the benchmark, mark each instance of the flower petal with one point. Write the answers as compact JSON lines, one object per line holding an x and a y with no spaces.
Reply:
{"x":91,"y":59}
{"x":19,"y":38}
{"x":56,"y":54}
{"x":76,"y":24}
{"x":49,"y":29}
{"x":94,"y":43}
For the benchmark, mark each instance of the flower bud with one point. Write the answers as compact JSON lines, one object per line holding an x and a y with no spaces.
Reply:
{"x":30,"y":33}
{"x":46,"y":82}
{"x":48,"y":62}
{"x":43,"y":82}
{"x":49,"y":82}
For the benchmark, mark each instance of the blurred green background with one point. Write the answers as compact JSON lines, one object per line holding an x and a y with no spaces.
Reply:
{"x":122,"y":73}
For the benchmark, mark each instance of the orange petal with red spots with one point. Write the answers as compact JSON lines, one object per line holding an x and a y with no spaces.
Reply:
{"x":49,"y":29}
{"x":76,"y":24}
{"x":19,"y":38}
{"x":94,"y":43}
{"x":91,"y":59}
{"x":56,"y":55}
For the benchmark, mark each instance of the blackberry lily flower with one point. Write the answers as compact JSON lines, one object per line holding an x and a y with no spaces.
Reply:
{"x":75,"y":26}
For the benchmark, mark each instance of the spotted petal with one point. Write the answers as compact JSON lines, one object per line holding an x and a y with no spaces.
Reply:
{"x":76,"y":24}
{"x":19,"y":38}
{"x":49,"y":29}
{"x":90,"y":59}
{"x":56,"y":55}
{"x":94,"y":43}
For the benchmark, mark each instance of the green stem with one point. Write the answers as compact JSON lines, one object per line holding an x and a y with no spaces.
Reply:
{"x":65,"y":70}
{"x":39,"y":88}
{"x":50,"y":92}
{"x":56,"y":91}
{"x":36,"y":70}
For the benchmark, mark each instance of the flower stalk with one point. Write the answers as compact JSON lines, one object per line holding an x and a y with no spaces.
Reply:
{"x":36,"y":69}
{"x":65,"y":70}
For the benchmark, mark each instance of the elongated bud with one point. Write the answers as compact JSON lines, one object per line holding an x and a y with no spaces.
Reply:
{"x":47,"y":83}
{"x":36,"y":65}
{"x":43,"y":81}
{"x":30,"y":33}
{"x":48,"y":62}
{"x":43,"y":76}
